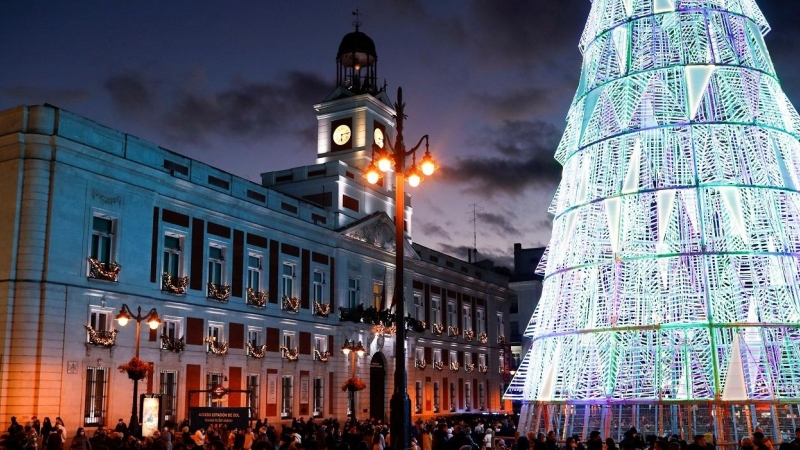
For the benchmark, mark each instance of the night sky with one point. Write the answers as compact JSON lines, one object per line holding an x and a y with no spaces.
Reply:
{"x":233,"y":84}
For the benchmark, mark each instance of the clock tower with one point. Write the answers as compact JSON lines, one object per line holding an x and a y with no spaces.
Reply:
{"x":357,"y":113}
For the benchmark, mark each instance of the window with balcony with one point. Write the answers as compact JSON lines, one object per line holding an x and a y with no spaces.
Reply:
{"x":436,"y":310}
{"x":418,"y":397}
{"x":480,"y":319}
{"x":255,"y":269}
{"x":467,"y":396}
{"x":173,"y":255}
{"x":452,"y":320}
{"x":102,"y":248}
{"x":289,"y":273}
{"x":419,"y":307}
{"x":353,"y":289}
{"x":318,"y":288}
{"x":436,"y":397}
{"x":452,"y":396}
{"x":377,"y":295}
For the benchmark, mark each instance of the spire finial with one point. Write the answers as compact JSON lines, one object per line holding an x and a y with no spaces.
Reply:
{"x":357,"y":23}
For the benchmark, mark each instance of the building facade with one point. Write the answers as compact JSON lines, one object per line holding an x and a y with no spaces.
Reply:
{"x":257,"y":286}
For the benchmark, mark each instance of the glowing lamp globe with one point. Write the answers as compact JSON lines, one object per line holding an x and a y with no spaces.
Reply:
{"x":413,"y":177}
{"x":428,"y":165}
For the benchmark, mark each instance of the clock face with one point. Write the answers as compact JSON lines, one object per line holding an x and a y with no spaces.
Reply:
{"x":378,"y":137}
{"x":341,"y":135}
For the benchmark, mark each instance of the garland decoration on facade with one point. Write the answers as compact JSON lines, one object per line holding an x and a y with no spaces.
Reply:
{"x":174,"y":285}
{"x":483,"y":369}
{"x":322,"y":309}
{"x":291,"y":304}
{"x":438,"y":365}
{"x":101,"y":271}
{"x":469,"y":335}
{"x":218,"y":292}
{"x":420,"y":364}
{"x":437,"y":329}
{"x":483,"y":338}
{"x":217,"y":348}
{"x":257,"y":298}
{"x":453,"y":332}
{"x":171,"y":344}
{"x":105,"y":339}
{"x":257,"y":352}
{"x":353,"y":384}
{"x":469,"y":367}
{"x":289,"y":354}
{"x":501,"y":339}
{"x":321,"y":356}
{"x":454,"y":366}
{"x":136,"y":369}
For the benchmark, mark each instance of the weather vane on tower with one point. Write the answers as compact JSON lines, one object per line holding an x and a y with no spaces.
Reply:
{"x":357,"y":23}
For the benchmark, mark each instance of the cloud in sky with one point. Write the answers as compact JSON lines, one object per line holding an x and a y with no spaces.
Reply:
{"x":243,"y":110}
{"x":517,"y":156}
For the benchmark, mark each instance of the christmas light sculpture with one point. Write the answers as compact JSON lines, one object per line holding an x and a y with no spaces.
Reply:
{"x":671,"y":296}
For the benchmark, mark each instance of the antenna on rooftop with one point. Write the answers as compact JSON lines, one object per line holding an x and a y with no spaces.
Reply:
{"x":474,"y":220}
{"x":357,"y":23}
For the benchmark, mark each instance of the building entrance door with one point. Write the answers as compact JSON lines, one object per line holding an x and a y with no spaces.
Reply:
{"x":377,"y":387}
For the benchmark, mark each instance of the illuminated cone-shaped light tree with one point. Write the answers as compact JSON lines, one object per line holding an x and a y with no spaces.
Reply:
{"x":671,"y":297}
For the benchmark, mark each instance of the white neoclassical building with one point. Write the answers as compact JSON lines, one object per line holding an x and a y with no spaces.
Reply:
{"x":247,"y":279}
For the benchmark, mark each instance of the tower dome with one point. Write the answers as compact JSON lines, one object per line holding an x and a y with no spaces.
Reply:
{"x":357,"y":62}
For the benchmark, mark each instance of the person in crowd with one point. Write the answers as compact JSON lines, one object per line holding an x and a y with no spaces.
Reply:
{"x":62,"y":429}
{"x":54,"y":441}
{"x":15,"y":427}
{"x":80,"y":441}
{"x":796,"y":442}
{"x":595,"y":441}
{"x":610,"y":444}
{"x":550,"y":443}
{"x":166,"y":438}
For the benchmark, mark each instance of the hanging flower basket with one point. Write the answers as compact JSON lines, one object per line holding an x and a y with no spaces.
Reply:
{"x":136,"y":369}
{"x":353,"y":384}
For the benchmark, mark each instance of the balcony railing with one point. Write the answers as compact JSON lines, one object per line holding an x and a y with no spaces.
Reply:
{"x":105,"y":339}
{"x":438,"y":365}
{"x":104,"y":271}
{"x":172,"y":344}
{"x":469,"y":335}
{"x":291,"y":304}
{"x":218,"y":292}
{"x":174,"y":285}
{"x":454,"y":366}
{"x":217,"y":348}
{"x":453,"y":332}
{"x":369,"y":315}
{"x":289,"y":354}
{"x":322,"y":309}
{"x":256,"y":351}
{"x":469,"y":368}
{"x":257,"y":298}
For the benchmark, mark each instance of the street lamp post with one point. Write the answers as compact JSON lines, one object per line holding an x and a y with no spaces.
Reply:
{"x":153,"y":322}
{"x":400,"y":404}
{"x":356,"y":350}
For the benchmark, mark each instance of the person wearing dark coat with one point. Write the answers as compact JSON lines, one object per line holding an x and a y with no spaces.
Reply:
{"x":460,"y":439}
{"x":550,"y":443}
{"x":595,"y":441}
{"x":439,"y":437}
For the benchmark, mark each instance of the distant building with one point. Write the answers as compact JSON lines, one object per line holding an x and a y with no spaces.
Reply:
{"x":258,"y":286}
{"x":528,"y":286}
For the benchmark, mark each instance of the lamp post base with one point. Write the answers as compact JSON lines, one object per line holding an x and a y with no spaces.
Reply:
{"x":133,"y":426}
{"x":400,"y":420}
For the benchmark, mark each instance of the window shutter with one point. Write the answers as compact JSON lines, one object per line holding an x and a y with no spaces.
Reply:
{"x":236,"y":336}
{"x":305,"y":343}
{"x":195,"y":332}
{"x":273,"y":339}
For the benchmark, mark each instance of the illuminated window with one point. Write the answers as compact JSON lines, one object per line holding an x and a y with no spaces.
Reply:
{"x":216,"y":265}
{"x":466,"y":316}
{"x":481,"y":397}
{"x":480,"y":319}
{"x":254,"y":271}
{"x":418,"y":397}
{"x":467,"y":395}
{"x":436,"y":396}
{"x":419,"y":307}
{"x":353,"y":286}
{"x":452,"y":320}
{"x":377,"y":296}
{"x":252,"y":396}
{"x":173,"y":255}
{"x":452,"y":396}
{"x":102,"y":239}
{"x":95,"y":398}
{"x":213,"y":379}
{"x":286,"y":396}
{"x":436,"y":310}
{"x":288,"y":279}
{"x":319,"y":397}
{"x":319,"y":284}
{"x":168,"y":381}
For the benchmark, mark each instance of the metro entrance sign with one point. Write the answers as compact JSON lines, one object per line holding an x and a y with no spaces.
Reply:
{"x":230,"y":417}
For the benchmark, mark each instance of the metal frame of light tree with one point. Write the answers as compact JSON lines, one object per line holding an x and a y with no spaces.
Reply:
{"x":672,"y":276}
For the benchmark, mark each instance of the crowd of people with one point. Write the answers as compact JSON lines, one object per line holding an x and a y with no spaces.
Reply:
{"x":444,"y":433}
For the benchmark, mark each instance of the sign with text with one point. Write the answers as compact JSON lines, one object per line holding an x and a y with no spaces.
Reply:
{"x":151,"y":411}
{"x":230,"y":417}
{"x":272,"y":388}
